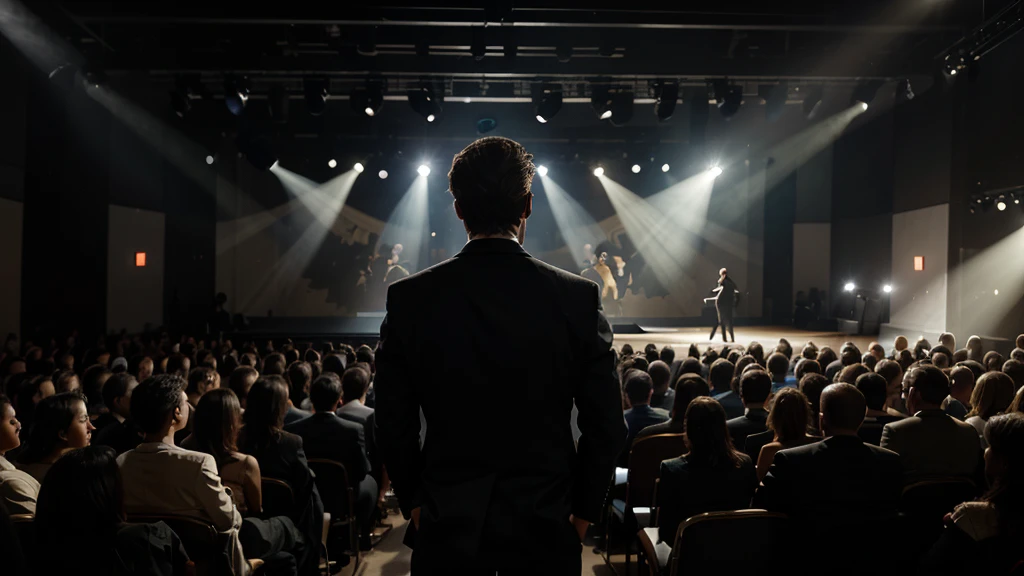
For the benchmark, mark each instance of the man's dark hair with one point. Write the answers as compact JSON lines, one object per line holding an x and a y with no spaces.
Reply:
{"x":784,"y":348}
{"x":354,"y":383}
{"x":335,"y":364}
{"x":660,"y":374}
{"x":809,"y":352}
{"x":720,"y":375}
{"x":710,"y":355}
{"x":311,"y":356}
{"x":873,"y":386}
{"x":1017,"y":354}
{"x":930,"y":382}
{"x":93,"y":379}
{"x":490,"y":180}
{"x":638,"y":386}
{"x":116,"y":387}
{"x":199,"y":380}
{"x":178,"y":364}
{"x":667,"y":355}
{"x":843,"y":406}
{"x":974,"y":366}
{"x":640,"y":363}
{"x":241,"y":379}
{"x":757,"y":351}
{"x":299,"y":375}
{"x":852,"y":372}
{"x":1015,"y":370}
{"x":689,"y":387}
{"x":812,"y":385}
{"x":325,"y":392}
{"x":365,"y":354}
{"x":291,"y":355}
{"x":993,"y":361}
{"x":849,"y":356}
{"x":755,"y":386}
{"x":870,"y":360}
{"x":806,"y":366}
{"x":689,"y":366}
{"x":778,"y":366}
{"x":274,"y":365}
{"x":154,"y":399}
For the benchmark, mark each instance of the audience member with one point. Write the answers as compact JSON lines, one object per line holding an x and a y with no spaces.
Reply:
{"x":667,"y":355}
{"x":141,"y":367}
{"x":874,"y":388}
{"x":690,"y":386}
{"x":755,"y":388}
{"x":200,"y":381}
{"x":651,"y":353}
{"x":18,"y":489}
{"x":804,"y":367}
{"x":178,"y":364}
{"x":757,"y":351}
{"x":664,"y":396}
{"x":993,"y":394}
{"x":640,"y":415}
{"x":1015,"y":370}
{"x":849,"y":374}
{"x":899,"y":344}
{"x":931,"y":444}
{"x":66,"y":381}
{"x":961,"y":386}
{"x":300,"y":375}
{"x":876,"y":350}
{"x":121,"y":433}
{"x":778,"y":369}
{"x":1018,"y":402}
{"x":274,"y":365}
{"x":788,"y":423}
{"x":893,"y":374}
{"x":812,"y":385}
{"x":61,"y":424}
{"x":241,"y":380}
{"x":975,"y":349}
{"x":710,"y":477}
{"x":826,"y":356}
{"x":725,"y":388}
{"x":993,"y":361}
{"x":976,"y":368}
{"x":869,"y":360}
{"x":948,"y":340}
{"x":28,"y":395}
{"x":335,"y":364}
{"x":92,"y":383}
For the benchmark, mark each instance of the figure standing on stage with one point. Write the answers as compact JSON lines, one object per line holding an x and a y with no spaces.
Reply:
{"x":728,"y":294}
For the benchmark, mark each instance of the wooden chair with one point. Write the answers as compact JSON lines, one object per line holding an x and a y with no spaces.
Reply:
{"x":706,"y":543}
{"x":339,"y":501}
{"x":924,"y":504}
{"x":207,"y":547}
{"x":24,"y":529}
{"x":645,"y":458}
{"x":278,"y":498}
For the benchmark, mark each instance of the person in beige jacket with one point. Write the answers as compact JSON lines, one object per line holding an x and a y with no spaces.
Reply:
{"x":161,"y":478}
{"x":18,"y":489}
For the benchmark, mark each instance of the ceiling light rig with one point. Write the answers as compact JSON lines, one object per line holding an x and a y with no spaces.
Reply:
{"x":547,"y":103}
{"x":424,"y":101}
{"x":601,"y":102}
{"x":316,"y":91}
{"x":665,"y":96}
{"x":728,"y":96}
{"x":368,"y":100}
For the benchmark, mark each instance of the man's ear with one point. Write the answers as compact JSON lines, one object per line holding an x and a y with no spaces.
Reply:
{"x":529,"y":207}
{"x":458,"y":210}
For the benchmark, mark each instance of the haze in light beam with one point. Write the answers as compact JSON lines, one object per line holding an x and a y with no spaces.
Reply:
{"x":995,"y":268}
{"x":407,"y":224}
{"x":574,"y":223}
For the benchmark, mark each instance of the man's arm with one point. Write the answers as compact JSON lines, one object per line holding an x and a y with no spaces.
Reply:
{"x":773,"y":494}
{"x":397,"y":426}
{"x":889,"y":439}
{"x":602,"y":428}
{"x":215,"y":499}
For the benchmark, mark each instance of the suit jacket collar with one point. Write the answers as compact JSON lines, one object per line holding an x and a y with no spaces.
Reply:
{"x":492,"y":246}
{"x":931,"y":413}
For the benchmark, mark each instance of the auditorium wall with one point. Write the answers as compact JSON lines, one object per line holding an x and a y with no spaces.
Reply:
{"x":812,"y":250}
{"x":135,"y":286}
{"x":918,"y":300}
{"x":13,"y":99}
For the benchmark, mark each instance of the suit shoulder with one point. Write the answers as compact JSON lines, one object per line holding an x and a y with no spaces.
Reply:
{"x":290,"y":440}
{"x":904,"y":423}
{"x":572,"y":281}
{"x":882,"y":453}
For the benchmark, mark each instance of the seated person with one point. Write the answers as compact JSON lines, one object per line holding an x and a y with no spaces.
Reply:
{"x":689,"y":387}
{"x":664,"y":396}
{"x":893,"y":374}
{"x":93,"y":380}
{"x":720,"y":378}
{"x":711,"y":476}
{"x":931,"y":443}
{"x":778,"y":369}
{"x":992,"y":395}
{"x":61,"y":424}
{"x":982,"y":537}
{"x":873,"y":386}
{"x":18,"y":490}
{"x":122,"y":435}
{"x":755,"y":388}
{"x":161,"y":478}
{"x":241,"y":380}
{"x":640,"y":415}
{"x":83,"y":492}
{"x":280,"y":455}
{"x":961,"y":386}
{"x":804,"y":367}
{"x":325,"y":435}
{"x":300,"y":375}
{"x":788,"y":421}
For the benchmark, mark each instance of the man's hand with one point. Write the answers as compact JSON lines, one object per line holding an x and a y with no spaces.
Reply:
{"x":415,"y":513}
{"x":580,"y":525}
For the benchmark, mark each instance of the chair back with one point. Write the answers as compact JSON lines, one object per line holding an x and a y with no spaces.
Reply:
{"x":278,"y":498}
{"x":706,"y":543}
{"x":206,"y":547}
{"x":645,"y":459}
{"x":932,"y":499}
{"x":335,"y":491}
{"x":25,"y":531}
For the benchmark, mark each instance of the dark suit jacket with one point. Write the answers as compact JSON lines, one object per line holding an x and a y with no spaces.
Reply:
{"x":753,"y":422}
{"x":933,"y":444}
{"x":664,"y":401}
{"x":122,"y":437}
{"x":294,"y":415}
{"x":364,"y":416}
{"x":638,"y":418}
{"x":688,"y":488}
{"x":497,"y":307}
{"x":754,"y":442}
{"x":324,"y":435}
{"x":731,"y":402}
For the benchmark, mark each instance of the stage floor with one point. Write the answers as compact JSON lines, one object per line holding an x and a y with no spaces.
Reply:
{"x":768,"y":336}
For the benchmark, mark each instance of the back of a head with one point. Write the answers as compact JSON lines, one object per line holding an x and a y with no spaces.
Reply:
{"x":693,"y":351}
{"x":216,"y":423}
{"x":778,"y":366}
{"x":354,"y":383}
{"x":940,"y":360}
{"x":651,"y":353}
{"x":870,"y":360}
{"x":806,"y":366}
{"x":627,"y":350}
{"x":921,"y":348}
{"x":93,"y":379}
{"x":178,"y":364}
{"x":812,"y":386}
{"x":689,"y":387}
{"x":975,"y":348}
{"x":710,"y":355}
{"x":876,"y":350}
{"x":690,"y":366}
{"x":265,"y":408}
{"x":241,"y":379}
{"x":667,"y":355}
{"x":900,"y":343}
{"x":890,"y":370}
{"x":660,"y":374}
{"x":931,"y":383}
{"x":291,"y":355}
{"x":490,"y":180}
{"x":274,"y":365}
{"x":905,"y":358}
{"x":809,"y":352}
{"x":1015,"y":370}
{"x":874,"y":388}
{"x":638,"y":387}
{"x":640,"y":363}
{"x":826,"y":356}
{"x":154,"y":401}
{"x":335,"y":364}
{"x":300,"y":374}
{"x":948,"y":340}
{"x":116,"y":387}
{"x":720,"y":375}
{"x":842,"y":407}
{"x":784,"y":348}
{"x":707,"y":437}
{"x":1017,"y":354}
{"x":849,"y":356}
{"x":993,"y":361}
{"x":757,"y":351}
{"x":852,"y":372}
{"x":200,"y":380}
{"x":790,"y":414}
{"x":993,"y":393}
{"x":365,"y":354}
{"x":755,"y":386}
{"x":325,"y":392}
{"x":1005,"y":437}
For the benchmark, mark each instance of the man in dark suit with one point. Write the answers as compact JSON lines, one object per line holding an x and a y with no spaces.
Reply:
{"x":121,"y":434}
{"x":496,"y":489}
{"x":724,"y":303}
{"x":640,"y":415}
{"x":838,"y":490}
{"x":355,"y":381}
{"x":324,"y":435}
{"x":300,"y":375}
{"x":720,"y":378}
{"x":755,"y":387}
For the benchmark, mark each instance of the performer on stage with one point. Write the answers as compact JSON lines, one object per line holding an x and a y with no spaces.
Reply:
{"x":728,"y":294}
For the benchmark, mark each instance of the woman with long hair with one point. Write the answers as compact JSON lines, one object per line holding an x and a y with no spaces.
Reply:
{"x":711,"y":476}
{"x":789,"y":419}
{"x":61,"y":424}
{"x":993,"y":393}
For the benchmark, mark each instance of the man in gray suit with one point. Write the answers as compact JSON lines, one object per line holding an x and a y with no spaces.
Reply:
{"x":931,"y":443}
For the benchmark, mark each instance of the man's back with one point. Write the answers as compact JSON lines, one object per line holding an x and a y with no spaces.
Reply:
{"x":324,"y":435}
{"x":753,"y":422}
{"x":521,"y":341}
{"x":933,"y":444}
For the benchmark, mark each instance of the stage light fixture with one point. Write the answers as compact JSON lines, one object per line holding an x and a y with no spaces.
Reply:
{"x":423,"y":170}
{"x":865,"y":92}
{"x":1001,"y":203}
{"x":547,"y":103}
{"x":332,"y":163}
{"x":599,"y":171}
{"x":774,"y":99}
{"x":433,"y":234}
{"x":367,"y":100}
{"x":728,"y":97}
{"x":316,"y":91}
{"x":887,"y":288}
{"x":542,"y":170}
{"x":716,"y":171}
{"x":383,"y":174}
{"x":849,"y":287}
{"x":601,"y":101}
{"x":358,"y":167}
{"x":236,"y":94}
{"x":209,"y":159}
{"x":636,"y":168}
{"x":621,"y":108}
{"x":665,"y":96}
{"x":424,"y":101}
{"x":665,"y":167}
{"x":812,"y":101}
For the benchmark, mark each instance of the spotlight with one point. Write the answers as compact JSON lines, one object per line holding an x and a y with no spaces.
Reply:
{"x":636,"y":168}
{"x":367,"y":100}
{"x":729,"y":97}
{"x":621,"y":108}
{"x":358,"y":167}
{"x":209,"y":159}
{"x":423,"y":170}
{"x":812,"y":101}
{"x":665,"y":96}
{"x":1016,"y":200}
{"x":433,"y":234}
{"x":383,"y":174}
{"x":424,"y":101}
{"x":996,"y":291}
{"x":887,"y":288}
{"x":952,"y":72}
{"x":542,"y":170}
{"x":865,"y":92}
{"x":236,"y":94}
{"x":601,"y":101}
{"x":547,"y":104}
{"x":1000,"y":204}
{"x":864,"y":106}
{"x":332,"y":163}
{"x":716,"y":171}
{"x":599,"y":171}
{"x":316,"y":91}
{"x":849,"y":287}
{"x":665,"y":167}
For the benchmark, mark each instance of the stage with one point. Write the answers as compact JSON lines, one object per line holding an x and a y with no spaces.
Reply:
{"x":768,"y":336}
